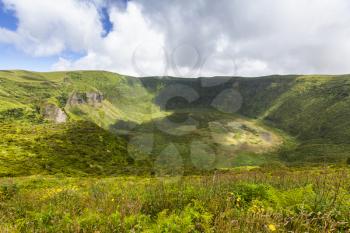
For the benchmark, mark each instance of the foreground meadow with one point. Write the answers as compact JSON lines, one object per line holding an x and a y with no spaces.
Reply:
{"x":246,"y":199}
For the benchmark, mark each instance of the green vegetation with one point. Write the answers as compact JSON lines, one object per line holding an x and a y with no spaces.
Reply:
{"x":79,"y":148}
{"x":122,"y":95}
{"x":93,"y":151}
{"x":93,"y":138}
{"x":255,"y":200}
{"x":315,"y":109}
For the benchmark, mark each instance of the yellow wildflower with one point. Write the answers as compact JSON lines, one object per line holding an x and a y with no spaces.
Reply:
{"x":50,"y":193}
{"x":272,"y":227}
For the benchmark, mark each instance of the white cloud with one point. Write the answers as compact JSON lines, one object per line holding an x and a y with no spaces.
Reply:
{"x":133,"y":47}
{"x":50,"y":27}
{"x":189,"y":38}
{"x":7,"y":36}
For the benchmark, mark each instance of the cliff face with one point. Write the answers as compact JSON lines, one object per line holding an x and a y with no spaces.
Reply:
{"x":94,"y":98}
{"x":91,"y":98}
{"x":53,"y":113}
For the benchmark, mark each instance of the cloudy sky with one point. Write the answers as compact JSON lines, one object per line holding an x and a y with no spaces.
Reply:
{"x":177,"y":37}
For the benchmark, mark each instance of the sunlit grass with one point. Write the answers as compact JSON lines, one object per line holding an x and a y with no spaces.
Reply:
{"x":244,"y":200}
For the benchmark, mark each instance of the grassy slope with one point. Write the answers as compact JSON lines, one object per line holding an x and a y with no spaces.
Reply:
{"x":78,"y":148}
{"x":258,"y":200}
{"x":122,"y":94}
{"x":32,"y":145}
{"x":315,"y":109}
{"x":266,"y":199}
{"x":84,"y":145}
{"x":219,"y":141}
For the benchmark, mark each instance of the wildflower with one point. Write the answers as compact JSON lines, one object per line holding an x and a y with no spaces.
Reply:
{"x":272,"y":227}
{"x":51,"y":192}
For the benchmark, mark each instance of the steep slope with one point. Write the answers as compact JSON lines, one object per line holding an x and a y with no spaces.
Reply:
{"x":314,"y":109}
{"x":121,"y":94}
{"x":79,"y":148}
{"x":101,"y":123}
{"x":59,"y":122}
{"x":307,"y":106}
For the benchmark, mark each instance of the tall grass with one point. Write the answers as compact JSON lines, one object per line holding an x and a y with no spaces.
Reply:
{"x":257,"y":200}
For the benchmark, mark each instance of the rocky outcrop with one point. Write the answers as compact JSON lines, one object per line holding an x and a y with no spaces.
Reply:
{"x":77,"y":98}
{"x":53,"y":113}
{"x":94,"y":98}
{"x":91,"y":98}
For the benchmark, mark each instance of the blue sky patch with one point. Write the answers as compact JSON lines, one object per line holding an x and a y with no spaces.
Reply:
{"x":106,"y":22}
{"x":12,"y":59}
{"x":8,"y":18}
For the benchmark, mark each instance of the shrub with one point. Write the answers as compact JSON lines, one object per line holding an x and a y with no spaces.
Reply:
{"x":249,"y":192}
{"x":91,"y":221}
{"x":8,"y":191}
{"x":293,"y":199}
{"x":193,"y":218}
{"x":136,"y":223}
{"x":115,"y":221}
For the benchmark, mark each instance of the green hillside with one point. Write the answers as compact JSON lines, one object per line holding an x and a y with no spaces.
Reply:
{"x":32,"y":142}
{"x":102,"y":123}
{"x":313,"y":109}
{"x":92,"y":151}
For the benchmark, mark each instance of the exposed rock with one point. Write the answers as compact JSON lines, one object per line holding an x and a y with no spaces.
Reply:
{"x":77,"y":98}
{"x":54,"y":113}
{"x":91,"y":98}
{"x":94,"y":98}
